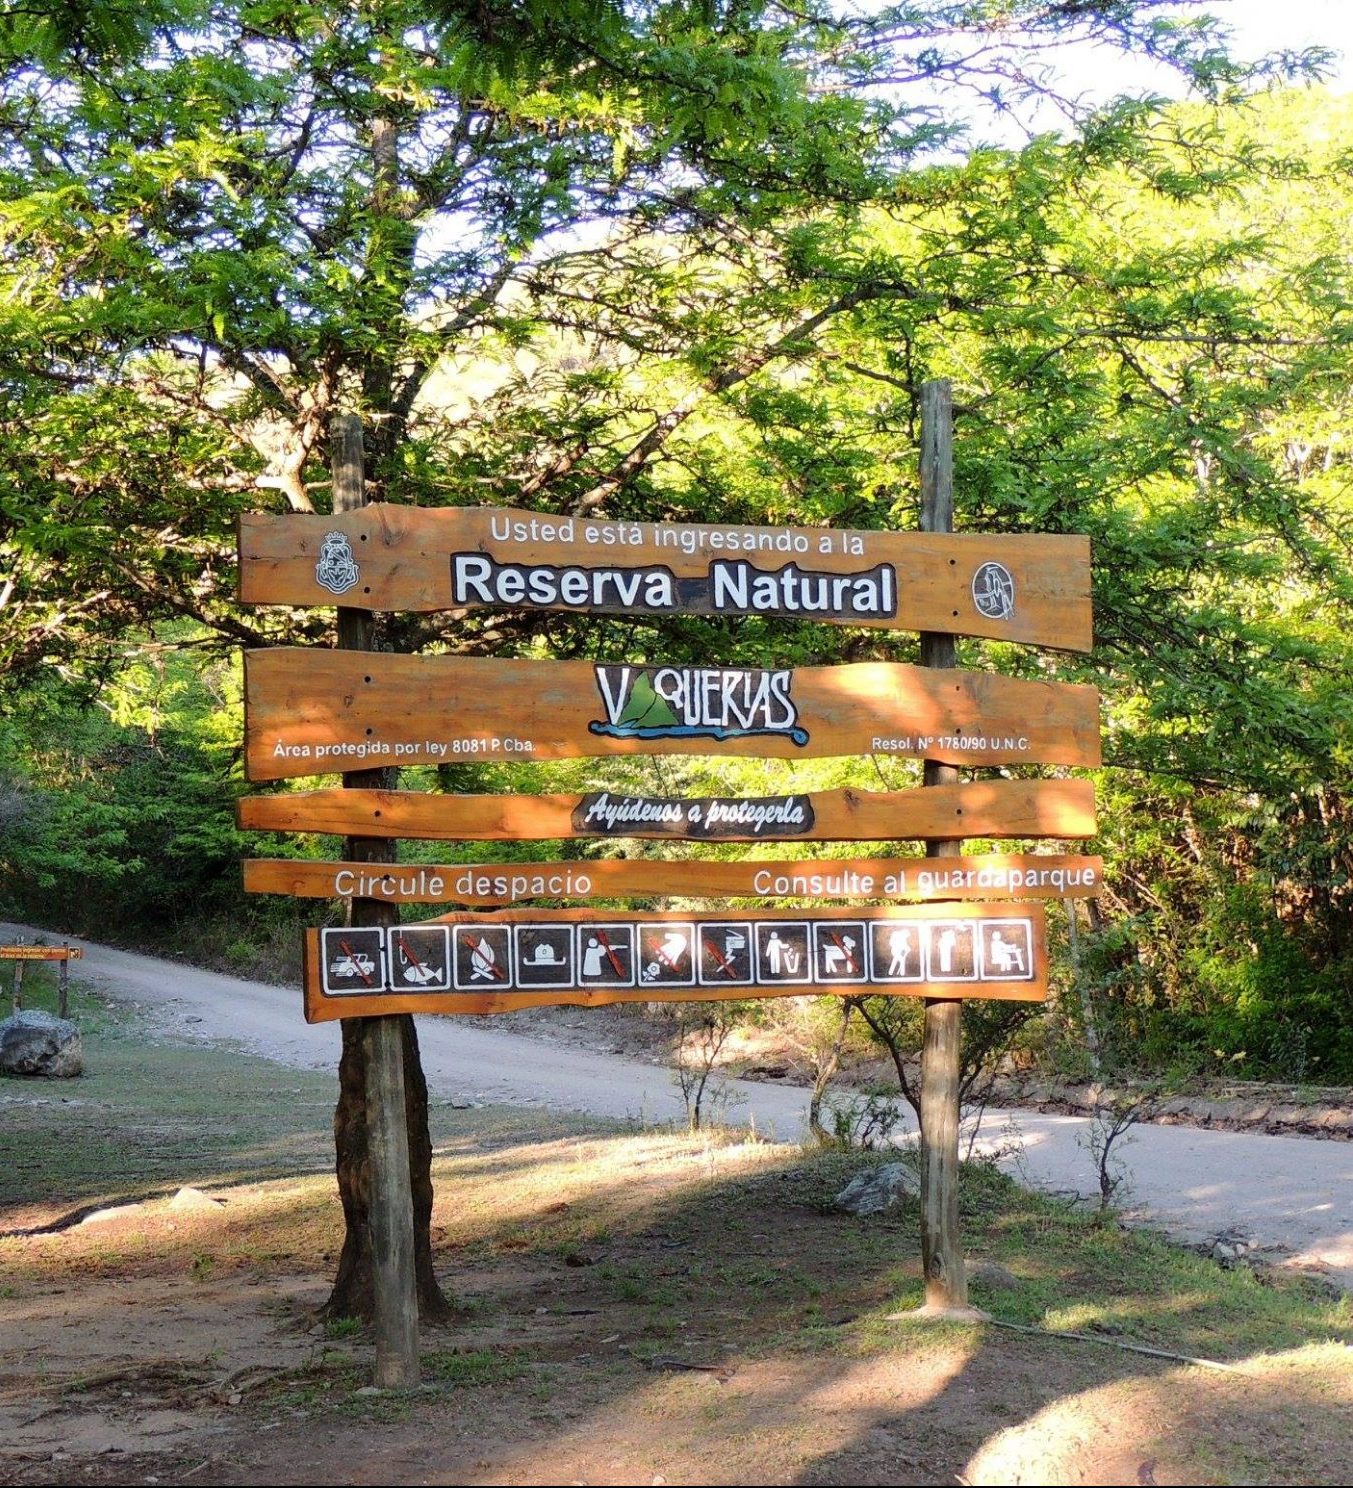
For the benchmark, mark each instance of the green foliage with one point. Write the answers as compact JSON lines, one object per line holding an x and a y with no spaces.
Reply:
{"x":116,"y":803}
{"x":687,"y":260}
{"x":1232,"y":956}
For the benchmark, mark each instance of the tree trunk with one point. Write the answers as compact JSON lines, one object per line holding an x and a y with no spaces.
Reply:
{"x":354,"y":1289}
{"x":353,"y":1292}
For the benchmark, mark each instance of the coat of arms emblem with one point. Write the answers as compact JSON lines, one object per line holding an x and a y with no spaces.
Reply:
{"x":336,"y":569}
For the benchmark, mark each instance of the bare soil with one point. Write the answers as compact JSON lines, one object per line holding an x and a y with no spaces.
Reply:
{"x":634,"y":1306}
{"x":633,"y":1310}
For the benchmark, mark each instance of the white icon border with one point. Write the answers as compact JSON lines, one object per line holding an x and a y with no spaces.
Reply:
{"x":359,"y":991}
{"x":881,"y":977}
{"x":948,"y":976}
{"x":392,"y":933}
{"x":1026,"y":928}
{"x":631,"y":932}
{"x":822,"y":928}
{"x":715,"y":981}
{"x":668,"y":926}
{"x":508,"y":983}
{"x":776,"y":979}
{"x":521,"y":967}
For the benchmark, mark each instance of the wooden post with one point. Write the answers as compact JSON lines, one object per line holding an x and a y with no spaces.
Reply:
{"x":396,"y":1296}
{"x":946,"y":1282}
{"x":1082,"y":991}
{"x":63,"y":985}
{"x":18,"y":979}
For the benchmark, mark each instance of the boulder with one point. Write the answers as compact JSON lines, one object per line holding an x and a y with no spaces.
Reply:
{"x":194,"y":1198}
{"x":877,"y":1189}
{"x":37,"y":1043}
{"x":991,"y":1274}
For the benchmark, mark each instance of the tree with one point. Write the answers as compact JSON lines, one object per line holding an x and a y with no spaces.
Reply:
{"x":545,"y":250}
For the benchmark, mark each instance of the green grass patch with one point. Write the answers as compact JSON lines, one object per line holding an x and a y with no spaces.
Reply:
{"x":472,"y":1368}
{"x":142,"y":1122}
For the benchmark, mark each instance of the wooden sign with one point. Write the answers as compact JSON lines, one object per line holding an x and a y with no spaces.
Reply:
{"x":987,"y":808}
{"x":1027,"y":587}
{"x":309,"y":712}
{"x":980,"y":876}
{"x":524,"y":958}
{"x":40,"y":953}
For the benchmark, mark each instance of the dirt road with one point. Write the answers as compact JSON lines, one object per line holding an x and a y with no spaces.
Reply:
{"x":1292,"y":1196}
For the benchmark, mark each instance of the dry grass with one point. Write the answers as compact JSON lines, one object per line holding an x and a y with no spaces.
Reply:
{"x":634,"y":1305}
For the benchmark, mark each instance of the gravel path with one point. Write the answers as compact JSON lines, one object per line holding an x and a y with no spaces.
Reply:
{"x":1289,"y":1195}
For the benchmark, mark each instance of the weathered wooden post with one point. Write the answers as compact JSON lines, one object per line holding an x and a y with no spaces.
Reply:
{"x":946,"y":1282}
{"x":63,"y":983}
{"x":392,"y":1239}
{"x":18,"y":978}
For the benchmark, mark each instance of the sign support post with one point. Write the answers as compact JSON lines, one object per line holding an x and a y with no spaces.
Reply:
{"x":392,"y":1238}
{"x":946,"y":1282}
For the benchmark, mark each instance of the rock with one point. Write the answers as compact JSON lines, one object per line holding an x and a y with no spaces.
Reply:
{"x":37,"y":1043}
{"x":991,"y":1274}
{"x":1230,"y":1249}
{"x":877,"y":1189}
{"x":194,"y":1198}
{"x":117,"y":1212}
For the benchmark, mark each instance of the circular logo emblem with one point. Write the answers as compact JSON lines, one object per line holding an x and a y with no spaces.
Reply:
{"x":993,"y":591}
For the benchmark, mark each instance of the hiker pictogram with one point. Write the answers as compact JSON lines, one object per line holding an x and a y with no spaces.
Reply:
{"x":725,"y":955}
{"x":896,"y":951}
{"x":782,"y":953}
{"x":544,"y":955}
{"x":606,"y":955}
{"x":840,"y":951}
{"x":353,"y":961}
{"x":666,"y":955}
{"x":482,"y":958}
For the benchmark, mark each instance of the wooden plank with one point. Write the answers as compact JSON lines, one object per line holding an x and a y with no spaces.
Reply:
{"x":311,"y":711}
{"x":988,"y":808}
{"x":979,"y":876}
{"x":1033,"y":588}
{"x":491,"y":963}
{"x":40,"y":953}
